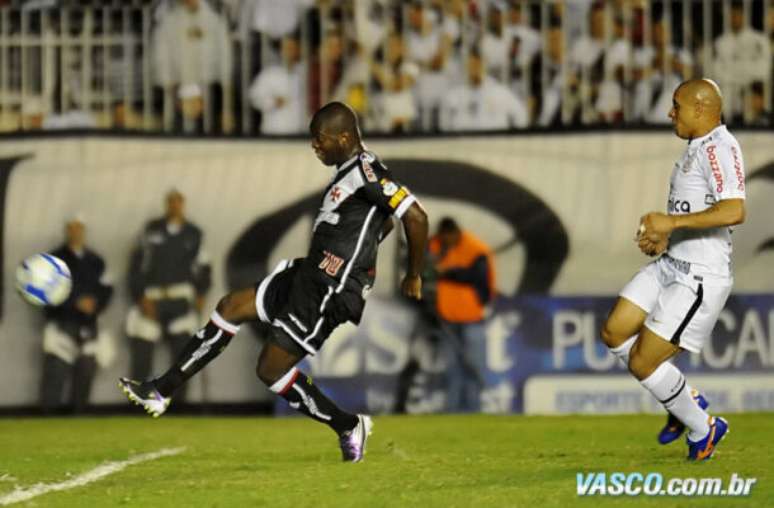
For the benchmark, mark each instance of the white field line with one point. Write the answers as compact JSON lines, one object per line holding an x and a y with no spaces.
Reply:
{"x":99,"y":472}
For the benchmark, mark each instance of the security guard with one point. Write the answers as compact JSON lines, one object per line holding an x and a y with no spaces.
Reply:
{"x":168,"y":278}
{"x":72,"y":344}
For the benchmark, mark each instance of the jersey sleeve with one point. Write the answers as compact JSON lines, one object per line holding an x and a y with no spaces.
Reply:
{"x":724,"y":168}
{"x":381,"y":189}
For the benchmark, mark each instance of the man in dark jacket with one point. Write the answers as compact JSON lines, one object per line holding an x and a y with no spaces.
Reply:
{"x":70,"y":335}
{"x":168,"y":278}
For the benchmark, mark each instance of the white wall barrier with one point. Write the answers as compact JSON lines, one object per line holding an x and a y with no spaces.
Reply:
{"x":560,"y":210}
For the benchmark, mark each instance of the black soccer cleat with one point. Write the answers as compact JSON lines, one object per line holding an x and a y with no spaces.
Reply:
{"x":145,"y":394}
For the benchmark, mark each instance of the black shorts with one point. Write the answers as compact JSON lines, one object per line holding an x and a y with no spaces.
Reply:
{"x":302,"y":303}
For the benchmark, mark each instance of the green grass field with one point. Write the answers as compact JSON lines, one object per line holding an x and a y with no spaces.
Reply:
{"x":443,"y":461}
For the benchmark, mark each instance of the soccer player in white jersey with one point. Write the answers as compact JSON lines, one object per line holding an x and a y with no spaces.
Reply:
{"x":672,"y":304}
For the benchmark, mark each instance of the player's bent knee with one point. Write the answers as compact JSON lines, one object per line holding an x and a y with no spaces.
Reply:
{"x":607,"y":335}
{"x":639,"y":365}
{"x":266,"y":373}
{"x":237,"y":307}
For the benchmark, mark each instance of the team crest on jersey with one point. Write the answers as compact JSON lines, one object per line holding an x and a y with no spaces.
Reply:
{"x":331,"y":264}
{"x":389,"y":188}
{"x":365,"y":162}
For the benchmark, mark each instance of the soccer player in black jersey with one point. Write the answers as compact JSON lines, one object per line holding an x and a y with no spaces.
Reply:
{"x":306,"y":299}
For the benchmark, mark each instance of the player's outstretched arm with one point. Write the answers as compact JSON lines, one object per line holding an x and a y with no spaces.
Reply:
{"x":415,"y":225}
{"x":727,"y":212}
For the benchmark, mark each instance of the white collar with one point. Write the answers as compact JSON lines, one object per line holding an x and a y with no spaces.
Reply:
{"x":347,"y":164}
{"x":698,"y":141}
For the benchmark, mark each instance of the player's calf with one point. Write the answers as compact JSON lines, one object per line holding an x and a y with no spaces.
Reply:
{"x":203,"y":347}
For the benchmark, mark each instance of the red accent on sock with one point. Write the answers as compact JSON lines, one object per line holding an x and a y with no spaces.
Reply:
{"x":290,"y":383}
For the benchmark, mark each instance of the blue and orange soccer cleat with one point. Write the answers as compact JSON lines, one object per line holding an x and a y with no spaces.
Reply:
{"x":703,"y":450}
{"x":674,"y":428}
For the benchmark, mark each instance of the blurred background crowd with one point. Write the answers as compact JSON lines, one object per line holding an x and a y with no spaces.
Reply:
{"x":263,"y":66}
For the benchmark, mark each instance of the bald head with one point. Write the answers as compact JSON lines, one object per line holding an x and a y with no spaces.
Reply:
{"x":704,"y":93}
{"x":697,"y":107}
{"x":335,"y":133}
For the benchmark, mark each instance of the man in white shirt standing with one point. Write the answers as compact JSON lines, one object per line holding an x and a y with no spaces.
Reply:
{"x":279,"y":92}
{"x":672,"y":304}
{"x":482,"y":103}
{"x":742,"y":57}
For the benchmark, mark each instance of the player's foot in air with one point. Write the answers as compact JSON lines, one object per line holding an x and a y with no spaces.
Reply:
{"x":145,"y":394}
{"x":674,"y":428}
{"x":703,"y":449}
{"x":353,"y":442}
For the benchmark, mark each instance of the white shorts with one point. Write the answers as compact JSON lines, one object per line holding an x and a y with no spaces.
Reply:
{"x":682,"y":307}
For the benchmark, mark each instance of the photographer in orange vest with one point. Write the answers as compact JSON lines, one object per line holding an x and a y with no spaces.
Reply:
{"x":465,"y":285}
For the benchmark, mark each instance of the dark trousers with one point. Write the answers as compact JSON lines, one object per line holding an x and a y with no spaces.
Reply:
{"x":59,"y":376}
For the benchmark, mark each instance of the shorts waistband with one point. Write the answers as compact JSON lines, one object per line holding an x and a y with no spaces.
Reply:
{"x":678,"y":264}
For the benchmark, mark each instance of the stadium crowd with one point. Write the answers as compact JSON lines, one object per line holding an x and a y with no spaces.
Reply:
{"x":262,"y":66}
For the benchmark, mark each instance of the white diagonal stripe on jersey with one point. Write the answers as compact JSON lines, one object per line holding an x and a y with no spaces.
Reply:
{"x":348,"y":185}
{"x":344,"y":277}
{"x":358,"y":247}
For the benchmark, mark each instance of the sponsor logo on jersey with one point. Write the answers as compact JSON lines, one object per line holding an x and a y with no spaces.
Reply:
{"x":709,"y":199}
{"x":389,"y":188}
{"x":738,"y":169}
{"x":365,"y":162}
{"x":678,"y":206}
{"x":715,"y":166}
{"x":331,"y":263}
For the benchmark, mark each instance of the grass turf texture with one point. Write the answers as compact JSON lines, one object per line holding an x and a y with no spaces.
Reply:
{"x":443,"y":461}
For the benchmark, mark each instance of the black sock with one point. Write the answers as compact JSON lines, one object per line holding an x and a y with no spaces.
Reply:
{"x":203,"y":347}
{"x":297,"y":388}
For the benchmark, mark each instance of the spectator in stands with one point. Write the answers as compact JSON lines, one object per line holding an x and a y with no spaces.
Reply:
{"x":610,"y":97}
{"x":529,"y":41}
{"x":495,"y":43}
{"x":276,"y":18}
{"x":169,"y":276}
{"x":396,"y":109}
{"x":482,"y":103}
{"x":662,"y":69}
{"x":525,"y":44}
{"x":586,"y":60}
{"x":759,"y":112}
{"x":192,"y":62}
{"x":742,"y":57}
{"x":279,"y":92}
{"x":429,"y":47}
{"x":73,"y":346}
{"x":465,"y":285}
{"x":326,"y":68}
{"x":549,"y":95}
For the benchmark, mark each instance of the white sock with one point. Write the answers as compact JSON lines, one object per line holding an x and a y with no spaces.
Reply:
{"x":622,"y":352}
{"x":668,"y":385}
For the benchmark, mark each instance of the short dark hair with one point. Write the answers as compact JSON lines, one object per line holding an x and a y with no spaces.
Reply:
{"x":448,"y":225}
